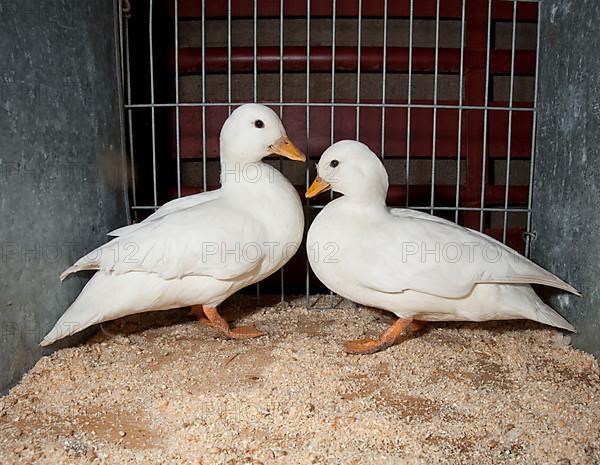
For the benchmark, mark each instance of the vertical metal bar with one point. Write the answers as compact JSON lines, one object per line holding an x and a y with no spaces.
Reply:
{"x":476,"y":18}
{"x":282,"y":272}
{"x":332,"y":120}
{"x":229,"y":56}
{"x":359,"y":42}
{"x":130,"y":122}
{"x":152,"y":108}
{"x":255,"y":64}
{"x":307,"y":172}
{"x":485,"y":115}
{"x":528,"y":236}
{"x":254,"y":85}
{"x":281,"y":60}
{"x":460,"y":103}
{"x":510,"y":114}
{"x":409,"y":97}
{"x":204,"y":183}
{"x":383,"y":77}
{"x":435,"y":101}
{"x":177,"y":130}
{"x":121,"y":38}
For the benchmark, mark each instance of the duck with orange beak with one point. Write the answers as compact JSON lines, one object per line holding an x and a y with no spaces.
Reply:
{"x":415,"y":265}
{"x":198,"y":250}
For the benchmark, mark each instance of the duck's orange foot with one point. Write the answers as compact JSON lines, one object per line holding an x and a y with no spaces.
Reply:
{"x":210,"y":317}
{"x":387,"y":339}
{"x":365,"y":346}
{"x":416,"y":326}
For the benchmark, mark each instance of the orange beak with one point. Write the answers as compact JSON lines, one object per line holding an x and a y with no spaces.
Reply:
{"x":317,"y":186}
{"x":286,"y":148}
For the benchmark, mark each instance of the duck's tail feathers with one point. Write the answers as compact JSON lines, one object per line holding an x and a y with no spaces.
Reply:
{"x":547,"y":280}
{"x":87,"y":310}
{"x":67,"y":272}
{"x":556,"y":283}
{"x":547,"y":315}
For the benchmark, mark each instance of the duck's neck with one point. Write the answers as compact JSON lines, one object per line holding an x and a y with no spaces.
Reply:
{"x":237,"y":173}
{"x":367,"y":197}
{"x":364,"y":203}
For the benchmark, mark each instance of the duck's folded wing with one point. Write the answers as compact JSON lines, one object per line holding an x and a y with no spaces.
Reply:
{"x":169,"y":208}
{"x":203,"y":240}
{"x":424,"y":253}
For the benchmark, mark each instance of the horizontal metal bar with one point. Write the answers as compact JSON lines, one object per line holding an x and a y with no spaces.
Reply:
{"x":337,"y":104}
{"x":145,"y":207}
{"x":267,"y":59}
{"x":419,"y":193}
{"x":412,"y":207}
{"x":452,"y":209}
{"x":449,"y":9}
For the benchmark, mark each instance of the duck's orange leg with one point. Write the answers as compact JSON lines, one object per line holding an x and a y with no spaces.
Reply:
{"x":388,"y":338}
{"x":416,"y":325}
{"x":211,"y":317}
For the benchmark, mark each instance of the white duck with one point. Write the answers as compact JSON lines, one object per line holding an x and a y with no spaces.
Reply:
{"x":200,"y":249}
{"x":417,"y":266}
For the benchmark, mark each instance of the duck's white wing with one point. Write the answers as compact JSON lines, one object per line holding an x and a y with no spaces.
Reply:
{"x":428,"y":254}
{"x":209,"y":239}
{"x":170,"y":207}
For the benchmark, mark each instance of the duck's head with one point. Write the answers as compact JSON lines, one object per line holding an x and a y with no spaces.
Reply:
{"x":351,"y":168}
{"x":253,"y":132}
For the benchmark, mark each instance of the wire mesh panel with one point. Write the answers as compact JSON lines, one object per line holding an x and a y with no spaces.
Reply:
{"x":443,"y":90}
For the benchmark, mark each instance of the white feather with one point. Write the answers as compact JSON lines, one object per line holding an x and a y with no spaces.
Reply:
{"x":197,"y":250}
{"x":411,"y":263}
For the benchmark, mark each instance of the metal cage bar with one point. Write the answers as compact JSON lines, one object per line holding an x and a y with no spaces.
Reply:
{"x":130,"y":122}
{"x":435,"y":98}
{"x":528,"y":235}
{"x":485,"y":114}
{"x":358,"y":63}
{"x":229,"y":46}
{"x":336,"y":104}
{"x":460,"y":110}
{"x":255,"y":80}
{"x":282,"y":271}
{"x":177,"y":109}
{"x":152,"y":103}
{"x":383,"y":76}
{"x":409,"y":105}
{"x":203,"y":38}
{"x":510,"y":119}
{"x":332,"y":115}
{"x":255,"y":55}
{"x":307,"y":170}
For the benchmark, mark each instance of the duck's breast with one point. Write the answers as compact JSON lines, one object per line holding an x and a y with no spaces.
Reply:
{"x":275,"y":204}
{"x":332,"y":237}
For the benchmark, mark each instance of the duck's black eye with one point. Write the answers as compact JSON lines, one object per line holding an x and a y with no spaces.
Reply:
{"x":334,"y":163}
{"x":259,"y":124}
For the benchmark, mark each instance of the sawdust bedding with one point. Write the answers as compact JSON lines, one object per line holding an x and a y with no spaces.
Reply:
{"x":161,"y":388}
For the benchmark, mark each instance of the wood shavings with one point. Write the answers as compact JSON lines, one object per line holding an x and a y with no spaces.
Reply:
{"x":162,"y":388}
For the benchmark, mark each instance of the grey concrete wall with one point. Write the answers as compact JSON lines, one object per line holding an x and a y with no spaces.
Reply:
{"x":61,"y":161}
{"x":566,"y":215}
